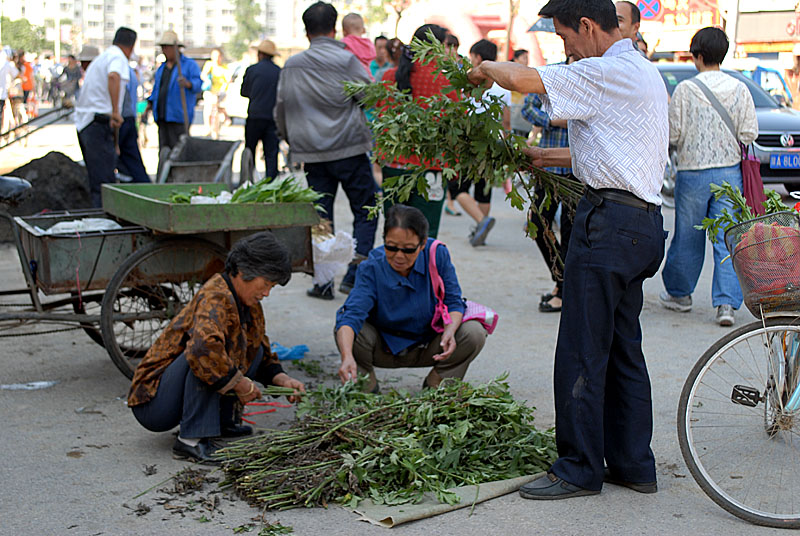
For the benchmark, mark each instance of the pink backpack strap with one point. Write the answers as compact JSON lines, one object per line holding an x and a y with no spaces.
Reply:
{"x":438,"y":284}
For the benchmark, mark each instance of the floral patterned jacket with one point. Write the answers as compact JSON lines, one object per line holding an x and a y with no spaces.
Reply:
{"x":210,"y":332}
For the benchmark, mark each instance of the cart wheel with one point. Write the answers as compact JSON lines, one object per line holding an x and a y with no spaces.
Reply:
{"x":89,"y":304}
{"x":246,"y":167}
{"x":148,"y":290}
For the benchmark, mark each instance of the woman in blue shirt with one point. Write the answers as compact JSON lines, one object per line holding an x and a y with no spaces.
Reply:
{"x":386,"y":320}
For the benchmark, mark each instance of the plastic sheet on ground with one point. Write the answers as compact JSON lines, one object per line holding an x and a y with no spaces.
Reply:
{"x":30,"y":386}
{"x":332,"y":255}
{"x":391,"y":516}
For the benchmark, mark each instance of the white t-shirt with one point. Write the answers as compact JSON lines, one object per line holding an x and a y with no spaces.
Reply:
{"x":8,"y":71}
{"x":94,"y":97}
{"x":497,"y":91}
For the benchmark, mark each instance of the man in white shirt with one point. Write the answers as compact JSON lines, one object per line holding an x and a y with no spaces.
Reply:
{"x":8,"y":72}
{"x":98,"y":112}
{"x":616,"y":106}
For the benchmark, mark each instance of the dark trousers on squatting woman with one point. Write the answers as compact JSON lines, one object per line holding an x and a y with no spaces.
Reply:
{"x":183,"y":399}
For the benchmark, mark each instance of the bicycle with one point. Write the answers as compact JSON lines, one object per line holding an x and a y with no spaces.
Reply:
{"x":739,"y":410}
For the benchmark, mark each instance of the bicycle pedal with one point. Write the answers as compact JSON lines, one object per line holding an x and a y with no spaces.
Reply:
{"x":745,"y":396}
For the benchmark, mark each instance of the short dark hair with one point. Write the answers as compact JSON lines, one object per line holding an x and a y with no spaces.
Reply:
{"x":379,"y":38}
{"x":320,"y":19}
{"x":711,"y":43}
{"x":451,"y":40}
{"x":570,"y":12}
{"x":520,"y":52}
{"x":485,"y":49}
{"x":406,"y":217}
{"x":636,"y":15}
{"x":125,"y":37}
{"x":72,"y":57}
{"x":260,"y":255}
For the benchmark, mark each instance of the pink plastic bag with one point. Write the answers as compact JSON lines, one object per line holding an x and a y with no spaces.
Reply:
{"x":487,"y":316}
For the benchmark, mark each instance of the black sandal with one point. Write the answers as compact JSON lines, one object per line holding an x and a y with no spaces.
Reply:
{"x":545,"y":307}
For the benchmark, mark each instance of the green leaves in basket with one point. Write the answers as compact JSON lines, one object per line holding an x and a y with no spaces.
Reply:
{"x":741,"y":211}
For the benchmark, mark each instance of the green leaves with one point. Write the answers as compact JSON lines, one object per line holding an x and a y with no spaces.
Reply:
{"x":392,"y":448}
{"x":454,"y":134}
{"x":741,"y":211}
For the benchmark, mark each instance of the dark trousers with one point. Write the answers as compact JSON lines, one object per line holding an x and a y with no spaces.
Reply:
{"x":182,"y":399}
{"x":355,"y":176}
{"x":602,"y":389}
{"x":129,"y":161}
{"x":99,"y":155}
{"x":263,"y":130}
{"x":543,"y":223}
{"x":169,"y":134}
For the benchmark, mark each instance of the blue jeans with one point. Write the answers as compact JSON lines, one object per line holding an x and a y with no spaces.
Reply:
{"x":693,"y":202}
{"x":182,"y":399}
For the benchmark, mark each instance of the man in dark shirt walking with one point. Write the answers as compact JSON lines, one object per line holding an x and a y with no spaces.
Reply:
{"x":260,"y":84}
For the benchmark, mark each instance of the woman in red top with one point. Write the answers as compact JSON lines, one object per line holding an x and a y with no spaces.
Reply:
{"x":421,"y":81}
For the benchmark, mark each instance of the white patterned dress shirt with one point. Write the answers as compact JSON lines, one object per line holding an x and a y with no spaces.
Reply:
{"x":704,"y":141}
{"x":616,"y":107}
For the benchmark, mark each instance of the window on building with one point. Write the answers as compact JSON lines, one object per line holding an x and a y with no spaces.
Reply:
{"x":227,"y":29}
{"x":110,"y":25}
{"x":95,"y":7}
{"x":209,"y":29}
{"x":93,"y":24}
{"x":188,"y":28}
{"x":144,"y":10}
{"x":227,"y":12}
{"x":170,"y":10}
{"x":64,"y":6}
{"x":209,"y":13}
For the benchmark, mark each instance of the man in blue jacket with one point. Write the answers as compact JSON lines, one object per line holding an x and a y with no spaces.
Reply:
{"x":165,"y":100}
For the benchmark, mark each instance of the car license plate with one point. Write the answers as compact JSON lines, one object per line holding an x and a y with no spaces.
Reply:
{"x":784,"y":161}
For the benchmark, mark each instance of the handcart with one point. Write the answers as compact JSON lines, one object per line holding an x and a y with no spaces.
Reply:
{"x":123,"y":286}
{"x":195,"y":160}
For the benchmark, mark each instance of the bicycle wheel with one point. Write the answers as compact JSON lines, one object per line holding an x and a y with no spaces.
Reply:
{"x":89,"y":304}
{"x":739,"y":424}
{"x":148,"y":290}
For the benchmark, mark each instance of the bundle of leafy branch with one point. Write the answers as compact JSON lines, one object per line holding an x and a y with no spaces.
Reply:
{"x":741,"y":211}
{"x":348,"y":445}
{"x":456,"y":135}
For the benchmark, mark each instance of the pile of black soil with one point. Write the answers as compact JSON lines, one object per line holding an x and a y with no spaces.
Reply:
{"x":58,"y":183}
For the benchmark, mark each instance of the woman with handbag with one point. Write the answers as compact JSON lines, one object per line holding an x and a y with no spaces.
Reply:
{"x":710,"y":116}
{"x":406,"y":309}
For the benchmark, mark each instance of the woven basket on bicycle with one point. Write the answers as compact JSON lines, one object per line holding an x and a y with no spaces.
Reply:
{"x":766,"y":257}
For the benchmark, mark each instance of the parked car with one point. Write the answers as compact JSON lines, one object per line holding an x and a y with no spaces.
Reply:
{"x":778,"y":142}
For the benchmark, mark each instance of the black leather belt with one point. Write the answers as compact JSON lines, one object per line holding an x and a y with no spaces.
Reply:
{"x":596,"y":196}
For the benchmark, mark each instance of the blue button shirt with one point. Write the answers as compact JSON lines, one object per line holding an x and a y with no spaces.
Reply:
{"x":401,"y":308}
{"x":174,"y":108}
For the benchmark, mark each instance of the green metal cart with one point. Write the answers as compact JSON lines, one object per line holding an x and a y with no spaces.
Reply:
{"x":125,"y":285}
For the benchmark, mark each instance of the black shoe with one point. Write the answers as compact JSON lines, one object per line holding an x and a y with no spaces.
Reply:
{"x":641,"y":487}
{"x":550,"y":487}
{"x":349,"y":280}
{"x":236,"y":430}
{"x":203,"y":452}
{"x":546,"y":297}
{"x":545,"y":307}
{"x":323,"y":292}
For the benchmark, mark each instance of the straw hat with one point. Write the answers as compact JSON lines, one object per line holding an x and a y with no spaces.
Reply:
{"x":267,"y":47}
{"x":88,"y":53}
{"x":169,"y":38}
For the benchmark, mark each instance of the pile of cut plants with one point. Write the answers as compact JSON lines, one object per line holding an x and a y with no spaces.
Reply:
{"x":392,"y":448}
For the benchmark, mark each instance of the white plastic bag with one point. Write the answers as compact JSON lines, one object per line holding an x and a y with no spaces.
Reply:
{"x":332,"y":255}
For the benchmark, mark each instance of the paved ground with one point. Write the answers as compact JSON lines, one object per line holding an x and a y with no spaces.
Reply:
{"x":74,"y":455}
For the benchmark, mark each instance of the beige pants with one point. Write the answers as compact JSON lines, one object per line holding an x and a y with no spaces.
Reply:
{"x":369,"y":353}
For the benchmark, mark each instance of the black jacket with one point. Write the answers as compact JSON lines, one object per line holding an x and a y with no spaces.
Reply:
{"x":260,"y":84}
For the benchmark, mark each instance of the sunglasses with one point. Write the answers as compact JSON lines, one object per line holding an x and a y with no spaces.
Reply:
{"x":395,"y":249}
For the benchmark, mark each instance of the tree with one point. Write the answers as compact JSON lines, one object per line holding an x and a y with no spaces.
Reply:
{"x":22,"y":34}
{"x":375,"y":12}
{"x":249,"y":27}
{"x":399,"y":6}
